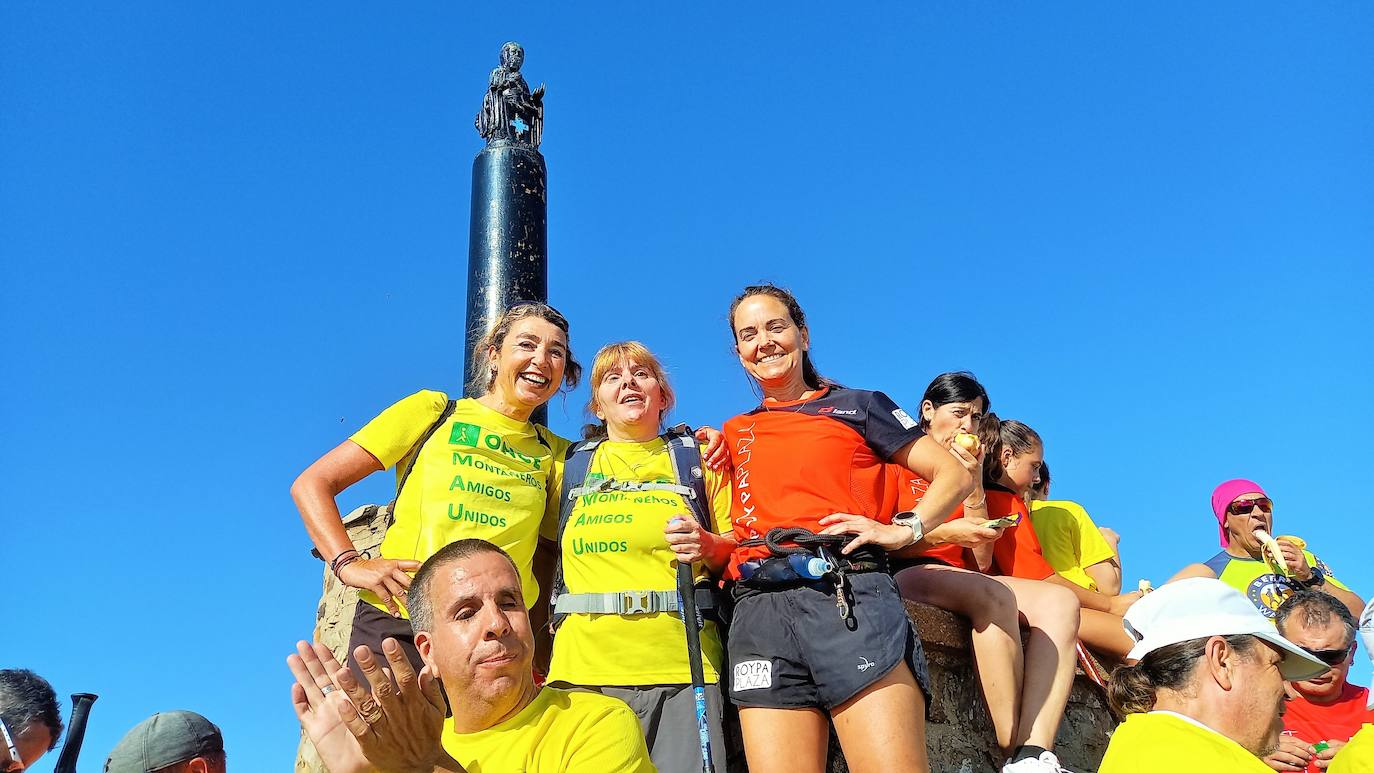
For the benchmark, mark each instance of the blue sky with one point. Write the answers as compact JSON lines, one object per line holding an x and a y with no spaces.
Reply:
{"x":230,"y":235}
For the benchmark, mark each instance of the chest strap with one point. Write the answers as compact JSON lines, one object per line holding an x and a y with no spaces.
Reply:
{"x":629,"y":602}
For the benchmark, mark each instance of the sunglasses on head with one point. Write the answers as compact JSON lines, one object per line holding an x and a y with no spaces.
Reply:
{"x":1329,"y":657}
{"x":1247,"y":506}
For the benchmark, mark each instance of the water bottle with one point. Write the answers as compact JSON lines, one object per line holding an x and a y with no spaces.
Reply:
{"x":809,"y":567}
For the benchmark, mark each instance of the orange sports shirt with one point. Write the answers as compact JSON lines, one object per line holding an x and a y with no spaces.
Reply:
{"x":800,"y":461}
{"x":1016,"y":553}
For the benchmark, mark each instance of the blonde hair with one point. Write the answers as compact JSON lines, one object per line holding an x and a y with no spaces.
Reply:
{"x":572,"y":371}
{"x":610,"y":356}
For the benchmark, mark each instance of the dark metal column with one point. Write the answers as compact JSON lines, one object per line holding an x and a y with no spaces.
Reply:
{"x":507,"y":243}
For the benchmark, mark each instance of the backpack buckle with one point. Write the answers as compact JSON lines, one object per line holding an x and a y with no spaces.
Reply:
{"x":636,"y":602}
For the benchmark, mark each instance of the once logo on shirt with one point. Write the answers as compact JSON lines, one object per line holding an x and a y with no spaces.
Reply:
{"x":753,"y":675}
{"x":1268,"y":592}
{"x":464,"y":434}
{"x":903,"y":419}
{"x":473,"y":436}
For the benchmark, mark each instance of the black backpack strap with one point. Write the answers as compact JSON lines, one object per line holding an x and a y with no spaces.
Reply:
{"x":687,"y":468}
{"x":576,"y":464}
{"x":419,"y":444}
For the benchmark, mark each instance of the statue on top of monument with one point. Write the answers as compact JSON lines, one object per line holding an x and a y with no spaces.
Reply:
{"x":509,"y":110}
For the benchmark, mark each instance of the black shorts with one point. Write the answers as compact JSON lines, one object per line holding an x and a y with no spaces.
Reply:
{"x":791,"y":649}
{"x":370,"y":626}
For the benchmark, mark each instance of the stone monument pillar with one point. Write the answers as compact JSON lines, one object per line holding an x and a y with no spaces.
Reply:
{"x":507,"y":243}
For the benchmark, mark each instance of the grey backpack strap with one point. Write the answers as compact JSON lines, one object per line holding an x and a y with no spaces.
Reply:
{"x":687,"y":469}
{"x":576,"y":464}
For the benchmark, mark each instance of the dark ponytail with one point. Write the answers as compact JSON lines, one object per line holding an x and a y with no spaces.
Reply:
{"x":995,"y":435}
{"x":1134,"y":689}
{"x":810,"y":376}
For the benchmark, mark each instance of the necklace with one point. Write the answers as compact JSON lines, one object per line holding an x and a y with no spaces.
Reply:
{"x":801,"y":402}
{"x":632,"y":469}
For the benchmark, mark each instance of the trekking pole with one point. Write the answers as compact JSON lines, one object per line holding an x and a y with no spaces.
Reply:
{"x":691,"y":620}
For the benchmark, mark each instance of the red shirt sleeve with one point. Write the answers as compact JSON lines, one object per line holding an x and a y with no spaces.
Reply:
{"x":1017,"y":552}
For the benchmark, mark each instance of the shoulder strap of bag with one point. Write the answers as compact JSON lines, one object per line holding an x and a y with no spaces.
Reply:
{"x":419,"y":445}
{"x":686,"y":457}
{"x":576,"y":464}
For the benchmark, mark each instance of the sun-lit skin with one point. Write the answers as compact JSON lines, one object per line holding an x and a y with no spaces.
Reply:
{"x":481,"y":646}
{"x":1324,"y":689}
{"x":1022,"y":470}
{"x":32,"y":740}
{"x":1265,"y":700}
{"x":951,"y":419}
{"x":631,"y":402}
{"x":770,"y":347}
{"x":1238,"y":695}
{"x":1241,"y":528}
{"x":529,"y":367}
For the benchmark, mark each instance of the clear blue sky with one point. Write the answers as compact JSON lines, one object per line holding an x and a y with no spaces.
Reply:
{"x":232,"y":234}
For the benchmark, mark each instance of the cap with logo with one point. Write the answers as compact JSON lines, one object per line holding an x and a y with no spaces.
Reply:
{"x":1200,"y":607}
{"x":164,"y":739}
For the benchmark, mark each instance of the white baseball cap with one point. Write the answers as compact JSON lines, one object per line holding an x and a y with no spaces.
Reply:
{"x":1200,"y":607}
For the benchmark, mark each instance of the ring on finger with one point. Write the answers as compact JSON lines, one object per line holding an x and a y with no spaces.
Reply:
{"x":327,"y":689}
{"x":370,"y":711}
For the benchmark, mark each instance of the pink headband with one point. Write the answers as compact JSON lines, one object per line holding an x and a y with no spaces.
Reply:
{"x":1227,"y":493}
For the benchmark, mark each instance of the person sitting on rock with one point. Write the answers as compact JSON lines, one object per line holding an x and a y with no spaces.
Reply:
{"x":1242,"y":508}
{"x":1025,"y":688}
{"x":1326,"y":708}
{"x":472,"y":631}
{"x":1081,"y":552}
{"x":1206,"y":691}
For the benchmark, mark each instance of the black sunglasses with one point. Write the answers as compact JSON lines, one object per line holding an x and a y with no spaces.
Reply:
{"x":1330,"y":657}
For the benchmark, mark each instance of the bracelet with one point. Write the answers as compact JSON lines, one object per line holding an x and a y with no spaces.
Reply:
{"x":979,"y":504}
{"x":345,"y":562}
{"x":334,"y":565}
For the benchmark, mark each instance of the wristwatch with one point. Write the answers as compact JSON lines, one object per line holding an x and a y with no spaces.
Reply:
{"x":910,"y":520}
{"x":1318,"y":578}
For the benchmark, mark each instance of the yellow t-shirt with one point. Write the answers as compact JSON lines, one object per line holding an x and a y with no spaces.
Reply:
{"x":1358,"y":755}
{"x":614,"y":542}
{"x":1069,"y":539}
{"x":1161,"y":741}
{"x":561,"y":731}
{"x":483,"y":475}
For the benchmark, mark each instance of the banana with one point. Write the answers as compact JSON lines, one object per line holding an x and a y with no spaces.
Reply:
{"x":1297,"y":542}
{"x":1145,"y":587}
{"x":1273,"y":554}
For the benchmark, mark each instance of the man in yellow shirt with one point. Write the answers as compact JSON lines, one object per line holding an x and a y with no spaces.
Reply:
{"x":473,"y":633}
{"x":1207,"y":690}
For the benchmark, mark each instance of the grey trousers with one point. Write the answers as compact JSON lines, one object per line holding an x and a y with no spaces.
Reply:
{"x":668,"y":716}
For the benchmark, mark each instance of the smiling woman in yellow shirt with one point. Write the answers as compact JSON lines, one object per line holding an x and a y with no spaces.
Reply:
{"x":484,"y":470}
{"x":617,"y":541}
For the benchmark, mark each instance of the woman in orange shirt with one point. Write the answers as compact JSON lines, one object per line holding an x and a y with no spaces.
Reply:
{"x":1014,"y":455}
{"x":1025,"y":692}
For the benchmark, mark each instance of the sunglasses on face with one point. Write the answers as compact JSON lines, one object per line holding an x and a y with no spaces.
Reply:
{"x":1329,"y":657}
{"x":14,"y":762}
{"x":1247,"y":506}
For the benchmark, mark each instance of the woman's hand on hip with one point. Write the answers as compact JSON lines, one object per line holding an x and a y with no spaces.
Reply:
{"x":389,"y":578}
{"x":866,"y":531}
